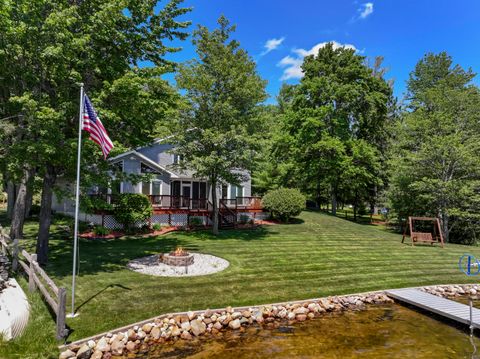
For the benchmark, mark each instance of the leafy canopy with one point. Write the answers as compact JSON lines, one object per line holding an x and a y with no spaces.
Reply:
{"x":335,"y":125}
{"x":218,"y":131}
{"x":435,"y":153}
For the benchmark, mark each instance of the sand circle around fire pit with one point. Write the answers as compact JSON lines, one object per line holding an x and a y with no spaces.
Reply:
{"x":203,"y":264}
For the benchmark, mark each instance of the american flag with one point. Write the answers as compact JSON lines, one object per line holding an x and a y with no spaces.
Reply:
{"x":93,"y":125}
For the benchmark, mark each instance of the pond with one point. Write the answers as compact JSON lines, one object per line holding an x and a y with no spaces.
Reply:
{"x":383,"y":331}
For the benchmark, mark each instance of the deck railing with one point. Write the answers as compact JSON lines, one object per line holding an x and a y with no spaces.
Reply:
{"x":177,"y":202}
{"x":239,"y":203}
{"x":182,"y":202}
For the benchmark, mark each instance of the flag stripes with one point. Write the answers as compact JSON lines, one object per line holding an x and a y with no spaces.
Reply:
{"x":93,"y":125}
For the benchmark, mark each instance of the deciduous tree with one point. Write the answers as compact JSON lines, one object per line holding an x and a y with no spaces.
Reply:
{"x":217,"y":135}
{"x":340,"y":107}
{"x":47,"y":49}
{"x":436,"y":150}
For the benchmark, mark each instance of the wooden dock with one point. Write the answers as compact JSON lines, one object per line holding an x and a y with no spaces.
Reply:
{"x":444,"y":307}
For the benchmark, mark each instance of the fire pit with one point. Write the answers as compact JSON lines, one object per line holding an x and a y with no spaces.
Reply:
{"x":178,"y":257}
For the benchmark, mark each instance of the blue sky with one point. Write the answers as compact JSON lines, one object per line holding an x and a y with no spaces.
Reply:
{"x":277,"y":33}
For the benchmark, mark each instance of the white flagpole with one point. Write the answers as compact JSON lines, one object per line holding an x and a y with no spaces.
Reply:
{"x":77,"y":200}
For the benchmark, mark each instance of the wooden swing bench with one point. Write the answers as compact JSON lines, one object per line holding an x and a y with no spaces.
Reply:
{"x":425,"y":237}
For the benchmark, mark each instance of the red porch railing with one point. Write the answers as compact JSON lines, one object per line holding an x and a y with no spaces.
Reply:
{"x":176,"y":202}
{"x":182,"y":202}
{"x":239,"y":203}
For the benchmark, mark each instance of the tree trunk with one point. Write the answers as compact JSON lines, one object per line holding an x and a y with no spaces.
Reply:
{"x":444,"y":219}
{"x":11,"y":198}
{"x":215,"y":206}
{"x":29,"y":196}
{"x":18,"y":215}
{"x":334,"y":202}
{"x":45,"y":216}
{"x":355,"y":207}
{"x":318,"y":198}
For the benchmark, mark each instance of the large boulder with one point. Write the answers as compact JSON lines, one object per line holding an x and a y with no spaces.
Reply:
{"x":198,"y":327}
{"x":117,"y":347}
{"x":85,"y":352}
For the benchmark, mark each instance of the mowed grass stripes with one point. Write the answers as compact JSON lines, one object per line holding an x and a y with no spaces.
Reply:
{"x":318,"y":256}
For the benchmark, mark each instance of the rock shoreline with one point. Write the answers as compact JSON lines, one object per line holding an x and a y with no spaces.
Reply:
{"x":186,"y":326}
{"x":452,"y":291}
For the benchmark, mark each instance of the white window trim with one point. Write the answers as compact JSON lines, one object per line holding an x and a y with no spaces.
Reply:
{"x":229,"y":191}
{"x":179,"y":158}
{"x":150,"y":189}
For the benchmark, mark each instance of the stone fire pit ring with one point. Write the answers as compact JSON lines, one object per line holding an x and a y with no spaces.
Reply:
{"x":176,"y":260}
{"x":203,"y":264}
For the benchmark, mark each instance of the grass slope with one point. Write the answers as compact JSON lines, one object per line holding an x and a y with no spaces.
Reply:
{"x":318,"y":256}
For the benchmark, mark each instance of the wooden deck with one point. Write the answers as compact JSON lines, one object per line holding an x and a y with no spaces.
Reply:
{"x":444,"y":307}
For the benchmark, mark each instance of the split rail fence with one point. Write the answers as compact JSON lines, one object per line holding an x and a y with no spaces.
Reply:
{"x":37,"y":278}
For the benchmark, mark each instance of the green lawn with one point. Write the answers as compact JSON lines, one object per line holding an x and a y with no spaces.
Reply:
{"x":318,"y":256}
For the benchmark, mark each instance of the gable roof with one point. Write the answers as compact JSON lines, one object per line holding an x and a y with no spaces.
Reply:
{"x":145,"y":159}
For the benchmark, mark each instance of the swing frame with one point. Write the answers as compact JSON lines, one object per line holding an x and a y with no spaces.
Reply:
{"x":425,"y":237}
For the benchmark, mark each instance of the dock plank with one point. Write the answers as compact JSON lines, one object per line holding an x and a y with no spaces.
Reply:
{"x":444,"y":307}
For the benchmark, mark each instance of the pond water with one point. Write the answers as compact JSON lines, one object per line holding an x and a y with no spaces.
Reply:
{"x":384,"y":331}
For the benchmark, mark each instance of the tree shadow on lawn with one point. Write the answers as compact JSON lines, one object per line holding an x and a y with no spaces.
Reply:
{"x":244,"y":234}
{"x":295,"y":220}
{"x":112,"y":255}
{"x":107,"y":255}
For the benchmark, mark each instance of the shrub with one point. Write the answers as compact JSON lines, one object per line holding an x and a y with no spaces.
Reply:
{"x":284,"y":203}
{"x":156,"y":226}
{"x":132,"y":208}
{"x":101,"y":231}
{"x":195,"y":221}
{"x":244,"y":219}
{"x":95,"y":204}
{"x":362,"y":210}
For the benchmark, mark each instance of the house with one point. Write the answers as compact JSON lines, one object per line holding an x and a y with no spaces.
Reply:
{"x":176,"y":195}
{"x":159,"y":159}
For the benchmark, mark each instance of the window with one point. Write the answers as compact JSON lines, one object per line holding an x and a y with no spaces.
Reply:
{"x":224,"y":191}
{"x":177,"y":158}
{"x":175,"y":188}
{"x":147,"y":169}
{"x":117,"y":187}
{"x":118,"y":166}
{"x":203,"y":190}
{"x":199,"y":190}
{"x":146,"y":188}
{"x":154,"y":187}
{"x":236,"y":191}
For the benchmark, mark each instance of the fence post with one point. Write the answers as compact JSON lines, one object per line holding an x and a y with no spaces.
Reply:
{"x":31,"y":273}
{"x":61,"y":313}
{"x":15,"y":255}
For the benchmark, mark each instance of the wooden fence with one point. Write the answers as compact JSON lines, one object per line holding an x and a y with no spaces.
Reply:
{"x":37,"y":278}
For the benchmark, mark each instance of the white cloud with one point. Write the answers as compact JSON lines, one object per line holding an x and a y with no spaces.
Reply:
{"x":366,"y":10}
{"x":272,"y":44}
{"x":293,"y":65}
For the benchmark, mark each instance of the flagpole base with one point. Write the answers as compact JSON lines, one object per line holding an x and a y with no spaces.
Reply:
{"x":72,"y":315}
